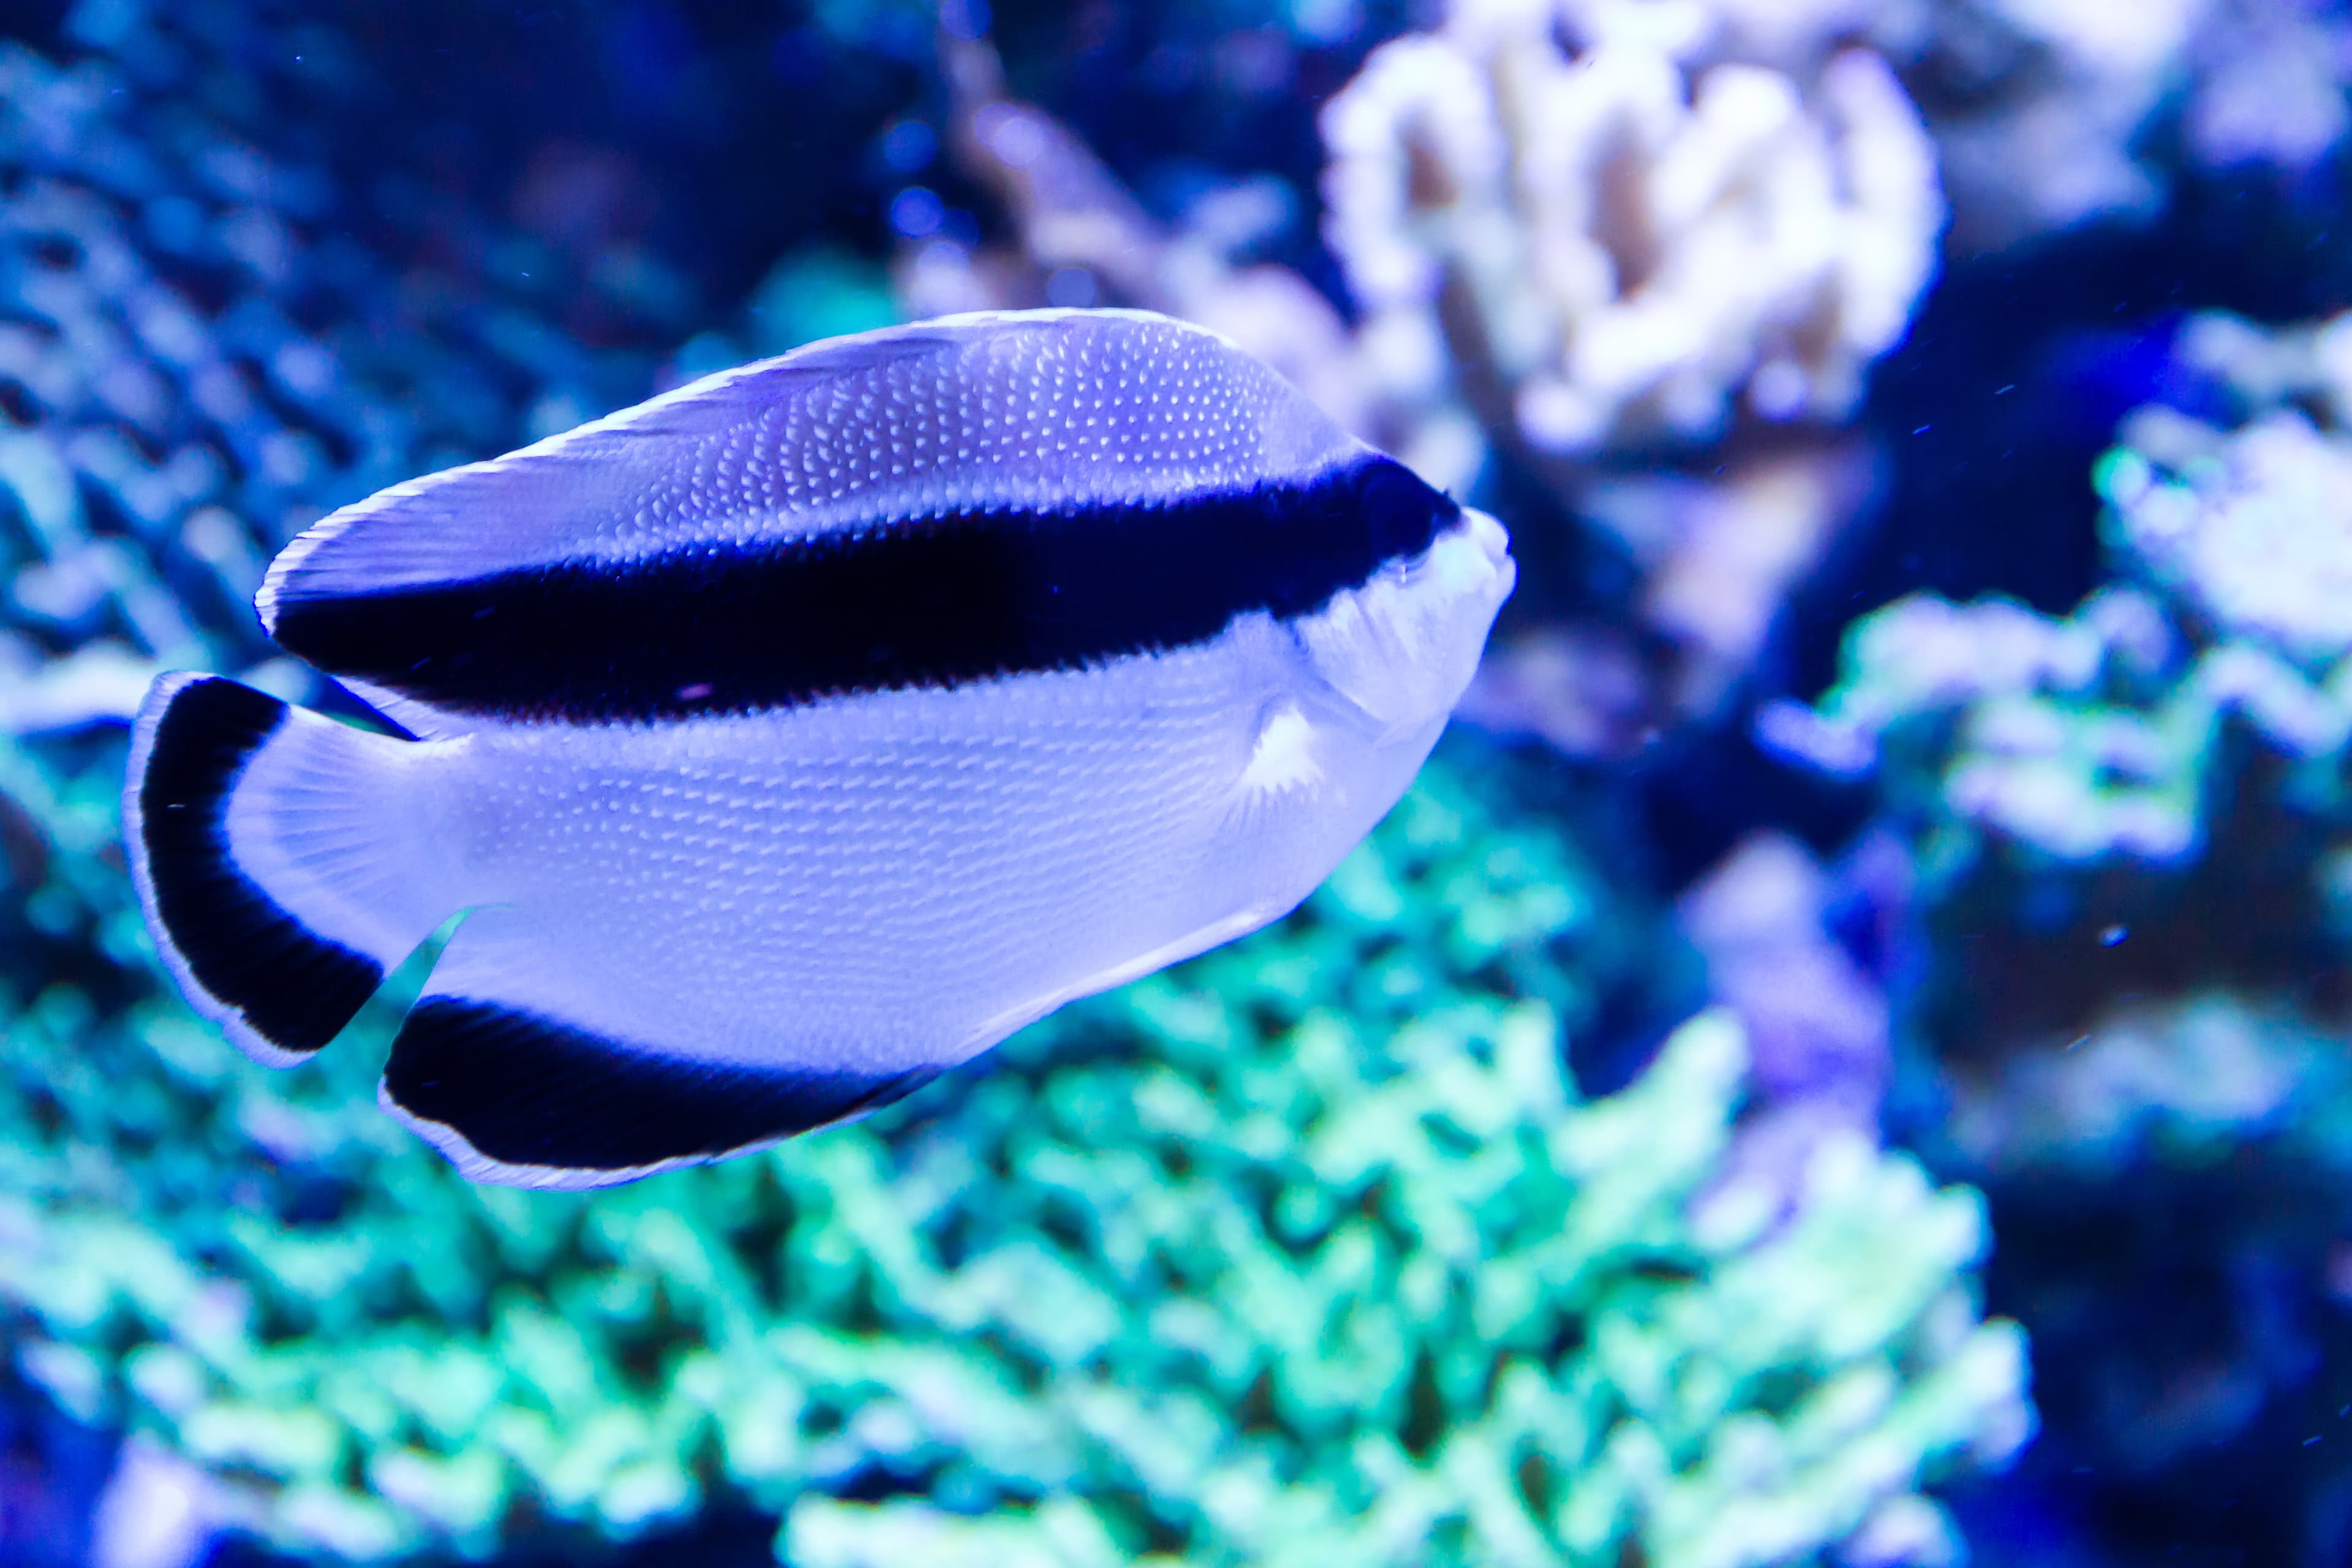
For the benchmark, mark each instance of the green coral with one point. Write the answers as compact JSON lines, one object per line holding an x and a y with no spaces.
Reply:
{"x":2126,"y":998}
{"x":1306,"y":1248}
{"x":2131,"y":824}
{"x":2066,"y":739}
{"x":2110,"y":731}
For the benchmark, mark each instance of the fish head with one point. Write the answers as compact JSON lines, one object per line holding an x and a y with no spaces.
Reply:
{"x":1400,"y":649}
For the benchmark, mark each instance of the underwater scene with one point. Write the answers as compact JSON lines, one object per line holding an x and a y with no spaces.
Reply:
{"x":868,"y":953}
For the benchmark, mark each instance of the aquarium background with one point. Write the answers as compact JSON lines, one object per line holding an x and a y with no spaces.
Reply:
{"x":1842,"y":1059}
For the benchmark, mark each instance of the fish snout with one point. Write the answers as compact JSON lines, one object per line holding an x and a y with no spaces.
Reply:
{"x":1488,"y":533}
{"x":1494,"y":540}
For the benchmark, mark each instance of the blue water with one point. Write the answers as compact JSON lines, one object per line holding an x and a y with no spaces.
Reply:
{"x":260,"y":258}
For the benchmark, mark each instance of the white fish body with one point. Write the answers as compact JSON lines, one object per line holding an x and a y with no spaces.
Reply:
{"x":805,"y":732}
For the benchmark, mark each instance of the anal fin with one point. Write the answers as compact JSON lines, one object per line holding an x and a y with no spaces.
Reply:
{"x":515,"y":1096}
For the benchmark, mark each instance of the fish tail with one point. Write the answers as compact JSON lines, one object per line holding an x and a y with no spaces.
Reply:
{"x":279,"y":872}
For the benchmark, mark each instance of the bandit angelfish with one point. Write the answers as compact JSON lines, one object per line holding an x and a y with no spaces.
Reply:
{"x":803,"y":732}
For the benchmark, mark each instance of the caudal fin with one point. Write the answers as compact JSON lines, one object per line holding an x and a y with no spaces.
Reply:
{"x":279,"y":879}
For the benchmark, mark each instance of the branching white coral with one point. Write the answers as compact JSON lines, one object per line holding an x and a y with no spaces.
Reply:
{"x":1789,"y":33}
{"x":1607,"y":246}
{"x":1556,"y":255}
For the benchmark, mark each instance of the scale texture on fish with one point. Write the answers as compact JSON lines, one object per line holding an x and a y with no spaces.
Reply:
{"x":799,"y":734}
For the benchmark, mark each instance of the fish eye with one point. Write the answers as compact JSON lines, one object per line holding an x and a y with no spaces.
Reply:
{"x":1400,"y":512}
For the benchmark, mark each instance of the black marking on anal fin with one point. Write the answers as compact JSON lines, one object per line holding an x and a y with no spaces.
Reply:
{"x":294,"y":989}
{"x":539,"y":1102}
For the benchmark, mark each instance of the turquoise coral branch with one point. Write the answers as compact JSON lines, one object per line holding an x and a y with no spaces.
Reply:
{"x":1308,"y":1242}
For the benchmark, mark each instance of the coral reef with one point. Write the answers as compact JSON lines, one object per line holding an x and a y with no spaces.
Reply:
{"x":1562,"y":258}
{"x":2128,"y":836}
{"x":2173,"y":747}
{"x":2050,"y":114}
{"x":1603,"y":247}
{"x":1554,"y":259}
{"x":1762,"y":922}
{"x":1313,"y":1246}
{"x":2047,"y":114}
{"x":2039,"y":109}
{"x":195,"y":363}
{"x":1705,"y":568}
{"x":1310,"y":1240}
{"x":1084,"y":239}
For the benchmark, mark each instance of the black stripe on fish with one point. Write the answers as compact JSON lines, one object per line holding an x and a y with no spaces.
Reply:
{"x":293,"y":987}
{"x":934,"y":602}
{"x":527,"y":1090}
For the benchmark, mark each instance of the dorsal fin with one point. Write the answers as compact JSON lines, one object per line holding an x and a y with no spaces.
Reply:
{"x":1013,"y":410}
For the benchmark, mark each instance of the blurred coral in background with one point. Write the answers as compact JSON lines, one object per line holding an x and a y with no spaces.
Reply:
{"x":1846,"y":1058}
